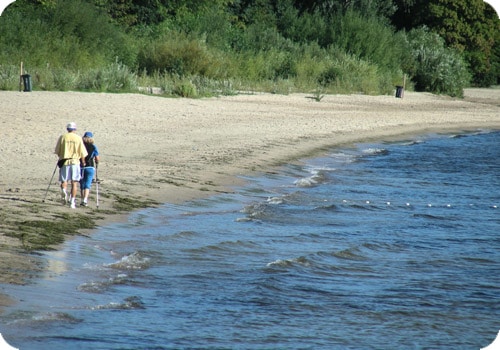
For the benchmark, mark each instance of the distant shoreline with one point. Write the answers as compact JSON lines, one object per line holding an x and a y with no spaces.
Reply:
{"x":157,"y":150}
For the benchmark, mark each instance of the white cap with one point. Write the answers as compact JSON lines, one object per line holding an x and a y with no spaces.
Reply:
{"x":71,"y":126}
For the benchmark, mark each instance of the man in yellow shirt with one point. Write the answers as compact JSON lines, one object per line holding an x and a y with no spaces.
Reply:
{"x":70,"y":150}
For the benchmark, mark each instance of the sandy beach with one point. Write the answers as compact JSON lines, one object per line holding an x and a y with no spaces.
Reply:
{"x":157,"y":150}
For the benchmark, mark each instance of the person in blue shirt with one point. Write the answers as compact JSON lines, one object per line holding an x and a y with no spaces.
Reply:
{"x":89,"y":170}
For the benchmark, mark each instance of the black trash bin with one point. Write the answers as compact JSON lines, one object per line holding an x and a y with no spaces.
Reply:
{"x":399,"y":91}
{"x":26,"y":82}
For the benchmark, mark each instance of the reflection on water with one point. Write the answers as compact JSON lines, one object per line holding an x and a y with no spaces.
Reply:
{"x":56,"y":264}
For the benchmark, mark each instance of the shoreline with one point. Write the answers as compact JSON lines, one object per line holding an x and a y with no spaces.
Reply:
{"x":157,"y":150}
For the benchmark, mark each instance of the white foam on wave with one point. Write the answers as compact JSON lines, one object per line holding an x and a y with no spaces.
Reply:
{"x":310,"y":181}
{"x":375,"y":151}
{"x":306,"y":182}
{"x":343,"y":158}
{"x":129,"y":303}
{"x":101,"y":286}
{"x":244,"y":220}
{"x":134,"y":261}
{"x":55,"y":317}
{"x":275,"y":200}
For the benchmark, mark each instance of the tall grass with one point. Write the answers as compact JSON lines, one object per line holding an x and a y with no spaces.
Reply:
{"x":269,"y":71}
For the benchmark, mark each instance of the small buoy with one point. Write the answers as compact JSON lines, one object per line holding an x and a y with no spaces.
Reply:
{"x":388,"y":203}
{"x":429,"y":205}
{"x":407,"y":204}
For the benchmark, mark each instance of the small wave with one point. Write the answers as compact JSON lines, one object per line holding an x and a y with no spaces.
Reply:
{"x":329,"y":207}
{"x":47,"y":317}
{"x":183,"y":235}
{"x":316,"y":169}
{"x":429,"y":216}
{"x":310,"y":181}
{"x":459,"y":136}
{"x":317,"y":177}
{"x":479,"y":260}
{"x":56,"y":316}
{"x":275,"y":200}
{"x":261,"y":211}
{"x":367,"y":206}
{"x":244,"y":219}
{"x":306,"y":182}
{"x":231,"y":247}
{"x":92,"y":287}
{"x":377,"y":246}
{"x":289,"y":262}
{"x":410,"y":142}
{"x":375,"y":151}
{"x":350,"y":254}
{"x":101,"y":286}
{"x":130,"y":303}
{"x":134,"y":261}
{"x":344,"y":158}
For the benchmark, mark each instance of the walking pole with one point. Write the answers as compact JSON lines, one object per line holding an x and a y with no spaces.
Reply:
{"x":49,"y":184}
{"x":96,"y":187}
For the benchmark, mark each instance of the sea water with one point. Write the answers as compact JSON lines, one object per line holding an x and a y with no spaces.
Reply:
{"x":394,"y":245}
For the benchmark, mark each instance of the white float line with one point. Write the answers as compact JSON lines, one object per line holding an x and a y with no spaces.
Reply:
{"x":408,"y":204}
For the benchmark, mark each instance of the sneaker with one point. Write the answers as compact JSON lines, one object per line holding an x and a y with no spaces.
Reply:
{"x":73,"y":205}
{"x":64,"y":198}
{"x":83,"y":204}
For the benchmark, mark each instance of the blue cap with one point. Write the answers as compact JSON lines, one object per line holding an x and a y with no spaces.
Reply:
{"x":88,"y":134}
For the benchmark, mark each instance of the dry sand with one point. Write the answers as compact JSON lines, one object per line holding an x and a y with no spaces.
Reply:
{"x":172,"y":150}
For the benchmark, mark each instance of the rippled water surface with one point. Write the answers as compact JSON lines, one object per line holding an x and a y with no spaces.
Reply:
{"x":378,"y":246}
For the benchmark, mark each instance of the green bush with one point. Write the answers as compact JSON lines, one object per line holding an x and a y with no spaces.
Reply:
{"x":70,"y":34}
{"x":212,"y":23}
{"x":436,"y":68}
{"x":176,"y":54}
{"x":88,"y":27}
{"x":351,"y":74}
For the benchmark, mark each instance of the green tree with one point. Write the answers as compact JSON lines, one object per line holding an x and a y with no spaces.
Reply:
{"x":134,"y":12}
{"x":410,"y":14}
{"x":381,"y":8}
{"x":470,"y":26}
{"x":369,"y":38}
